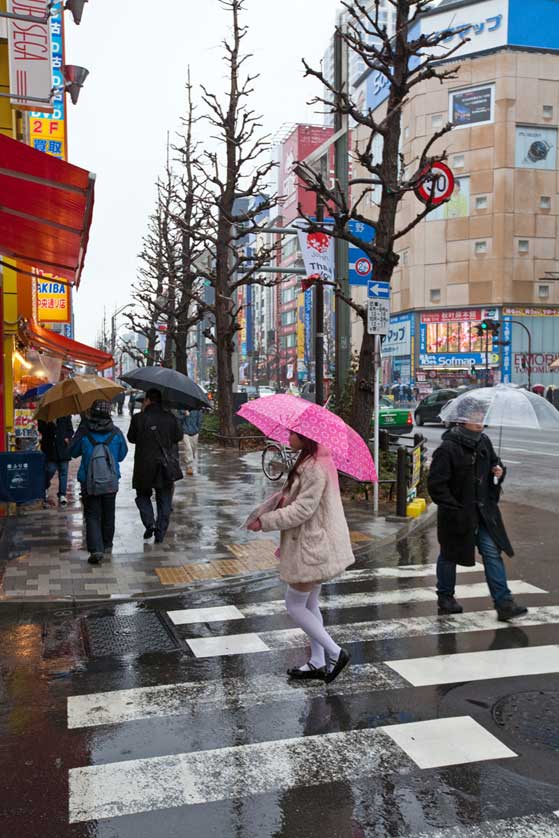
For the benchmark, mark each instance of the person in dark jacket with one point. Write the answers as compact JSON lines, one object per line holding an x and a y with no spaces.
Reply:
{"x":55,"y":438}
{"x":99,"y":510}
{"x":465,"y":482}
{"x":156,"y":433}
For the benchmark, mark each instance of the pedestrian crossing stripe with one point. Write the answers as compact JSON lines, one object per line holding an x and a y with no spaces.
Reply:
{"x":242,"y":771}
{"x":380,"y":630}
{"x":410,"y":571}
{"x":358,"y":600}
{"x":529,"y":826}
{"x":218,"y":695}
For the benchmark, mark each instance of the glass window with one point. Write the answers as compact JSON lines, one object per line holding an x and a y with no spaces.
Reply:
{"x":288,"y":317}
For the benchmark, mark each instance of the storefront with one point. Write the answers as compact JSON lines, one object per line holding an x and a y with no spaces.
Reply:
{"x":451,"y":353}
{"x":533,"y":336}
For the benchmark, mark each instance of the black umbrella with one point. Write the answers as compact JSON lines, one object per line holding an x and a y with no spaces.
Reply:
{"x":177,"y":390}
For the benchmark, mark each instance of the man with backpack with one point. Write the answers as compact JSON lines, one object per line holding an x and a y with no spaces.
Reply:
{"x":156,"y":433}
{"x":102,"y":447}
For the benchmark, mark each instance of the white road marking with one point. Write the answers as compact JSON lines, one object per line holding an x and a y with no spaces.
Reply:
{"x":145,"y":785}
{"x":531,"y":451}
{"x":193,"y":697}
{"x":478,"y":666}
{"x":229,"y":644}
{"x":379,"y":630}
{"x":375,"y":598}
{"x":512,"y":462}
{"x":205,"y":615}
{"x":529,"y":826}
{"x":410,"y":571}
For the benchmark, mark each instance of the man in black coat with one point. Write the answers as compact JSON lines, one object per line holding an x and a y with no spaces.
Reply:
{"x":55,"y":438}
{"x":465,"y":482}
{"x":156,"y":433}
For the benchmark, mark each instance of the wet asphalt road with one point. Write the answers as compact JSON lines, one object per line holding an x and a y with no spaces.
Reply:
{"x":532,"y":460}
{"x":223,"y":746}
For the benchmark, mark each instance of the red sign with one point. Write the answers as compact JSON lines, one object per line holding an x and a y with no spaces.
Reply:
{"x":299,"y":144}
{"x":451,"y":316}
{"x":437,"y":184}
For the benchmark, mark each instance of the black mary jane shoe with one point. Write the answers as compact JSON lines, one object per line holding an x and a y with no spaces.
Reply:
{"x":343,"y":660}
{"x":318,"y":673}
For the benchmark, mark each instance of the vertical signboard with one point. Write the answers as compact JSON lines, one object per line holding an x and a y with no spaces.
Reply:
{"x":301,"y":366}
{"x":308,"y":328}
{"x":30,"y":55}
{"x":47,"y":131}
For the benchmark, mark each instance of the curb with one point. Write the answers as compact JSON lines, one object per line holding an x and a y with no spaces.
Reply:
{"x":367,"y":551}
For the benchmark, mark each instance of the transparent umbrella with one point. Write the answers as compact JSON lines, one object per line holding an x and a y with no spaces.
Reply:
{"x":503,"y":406}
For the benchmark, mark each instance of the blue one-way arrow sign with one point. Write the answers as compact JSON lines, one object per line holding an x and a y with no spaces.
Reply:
{"x":378,"y":290}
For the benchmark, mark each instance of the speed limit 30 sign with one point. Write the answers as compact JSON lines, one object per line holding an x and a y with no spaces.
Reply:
{"x":437,"y":184}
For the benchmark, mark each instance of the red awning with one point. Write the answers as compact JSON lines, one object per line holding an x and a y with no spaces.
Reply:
{"x":46,"y":206}
{"x":35,"y":336}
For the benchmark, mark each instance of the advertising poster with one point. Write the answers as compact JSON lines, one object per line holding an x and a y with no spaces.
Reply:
{"x":53,"y":300}
{"x":536,"y":148}
{"x":459,"y":204}
{"x":301,"y":330}
{"x":449,"y":339}
{"x":299,"y":144}
{"x":473,"y":106}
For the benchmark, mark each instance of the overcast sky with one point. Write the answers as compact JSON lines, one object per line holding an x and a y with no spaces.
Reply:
{"x":137,"y":53}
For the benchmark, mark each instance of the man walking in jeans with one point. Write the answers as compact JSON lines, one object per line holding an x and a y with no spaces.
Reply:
{"x":465,"y":482}
{"x":155,"y":432}
{"x":55,"y":438}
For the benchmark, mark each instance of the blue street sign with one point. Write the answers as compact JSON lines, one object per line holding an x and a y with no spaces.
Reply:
{"x":360,"y":266}
{"x":378,"y":290}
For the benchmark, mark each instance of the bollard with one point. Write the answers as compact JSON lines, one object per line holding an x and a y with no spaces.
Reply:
{"x":401,"y":482}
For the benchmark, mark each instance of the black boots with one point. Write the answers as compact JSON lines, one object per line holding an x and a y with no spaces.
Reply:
{"x":508,"y":609}
{"x":448,"y":605}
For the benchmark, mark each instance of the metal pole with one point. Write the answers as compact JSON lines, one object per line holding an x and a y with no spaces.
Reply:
{"x":376,"y":437}
{"x":487,"y":358}
{"x":319,"y":324}
{"x":401,"y":483}
{"x":342,"y":310}
{"x":529,"y":333}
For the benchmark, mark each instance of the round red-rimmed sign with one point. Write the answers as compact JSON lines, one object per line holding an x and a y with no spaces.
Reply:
{"x":363,"y":266}
{"x":437,"y":184}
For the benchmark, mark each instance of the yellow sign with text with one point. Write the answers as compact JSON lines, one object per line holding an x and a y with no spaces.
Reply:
{"x":47,"y":135}
{"x":53,"y":300}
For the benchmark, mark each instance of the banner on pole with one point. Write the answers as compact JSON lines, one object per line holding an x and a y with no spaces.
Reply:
{"x":318,"y":254}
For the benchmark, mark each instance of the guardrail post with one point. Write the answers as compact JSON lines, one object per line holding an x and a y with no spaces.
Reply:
{"x":401,"y":482}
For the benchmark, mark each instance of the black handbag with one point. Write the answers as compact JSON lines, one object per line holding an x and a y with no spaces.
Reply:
{"x":169,"y":463}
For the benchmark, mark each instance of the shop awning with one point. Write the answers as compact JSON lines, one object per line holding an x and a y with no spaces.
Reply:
{"x":46,"y":206}
{"x":31,"y":334}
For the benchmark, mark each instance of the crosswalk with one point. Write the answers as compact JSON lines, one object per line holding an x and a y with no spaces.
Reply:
{"x":233,"y":671}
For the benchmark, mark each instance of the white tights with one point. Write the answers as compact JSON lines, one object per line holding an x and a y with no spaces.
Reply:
{"x":302,"y":607}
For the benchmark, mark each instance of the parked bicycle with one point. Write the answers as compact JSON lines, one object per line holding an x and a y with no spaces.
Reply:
{"x":277,"y":460}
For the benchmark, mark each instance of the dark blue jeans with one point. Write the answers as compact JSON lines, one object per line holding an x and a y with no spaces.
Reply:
{"x":495,"y":573}
{"x":163,"y":501}
{"x":60,"y":466}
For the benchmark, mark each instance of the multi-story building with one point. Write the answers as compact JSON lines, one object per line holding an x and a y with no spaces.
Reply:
{"x":492,"y":250}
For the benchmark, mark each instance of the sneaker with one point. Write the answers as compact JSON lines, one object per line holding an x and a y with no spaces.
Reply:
{"x":62,"y":500}
{"x":509,"y":609}
{"x":148,"y":533}
{"x":448,"y":605}
{"x":95,"y":558}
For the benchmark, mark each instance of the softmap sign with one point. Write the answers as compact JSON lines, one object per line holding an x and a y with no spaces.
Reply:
{"x":318,"y":254}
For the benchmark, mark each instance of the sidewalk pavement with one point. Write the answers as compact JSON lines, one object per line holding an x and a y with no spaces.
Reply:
{"x":43,"y":555}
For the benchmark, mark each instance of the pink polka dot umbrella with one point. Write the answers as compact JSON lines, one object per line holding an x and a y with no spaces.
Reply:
{"x":276,"y":416}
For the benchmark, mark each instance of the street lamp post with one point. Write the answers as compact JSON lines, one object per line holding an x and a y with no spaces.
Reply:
{"x":529,"y":333}
{"x":113,"y":326}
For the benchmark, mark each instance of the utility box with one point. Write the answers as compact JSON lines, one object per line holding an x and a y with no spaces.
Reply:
{"x":22,"y":476}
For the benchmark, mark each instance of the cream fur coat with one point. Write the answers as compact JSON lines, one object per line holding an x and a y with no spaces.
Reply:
{"x":315,"y":543}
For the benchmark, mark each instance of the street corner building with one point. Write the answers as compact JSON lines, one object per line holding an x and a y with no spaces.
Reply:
{"x":491,"y":251}
{"x":45,"y":218}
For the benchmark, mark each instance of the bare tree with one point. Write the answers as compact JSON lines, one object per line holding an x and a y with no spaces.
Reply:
{"x":235,"y":178}
{"x":404,"y":62}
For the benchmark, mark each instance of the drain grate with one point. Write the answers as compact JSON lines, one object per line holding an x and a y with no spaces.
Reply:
{"x":531,"y":716}
{"x":125,"y":634}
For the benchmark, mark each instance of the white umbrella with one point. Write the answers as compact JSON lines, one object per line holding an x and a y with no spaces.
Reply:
{"x":502,"y":406}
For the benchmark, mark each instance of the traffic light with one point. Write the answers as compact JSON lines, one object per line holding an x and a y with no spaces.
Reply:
{"x":488,"y":325}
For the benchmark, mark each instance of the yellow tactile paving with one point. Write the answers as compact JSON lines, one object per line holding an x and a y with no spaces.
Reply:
{"x":171,"y":575}
{"x":253,"y":550}
{"x":360,"y":536}
{"x":258,"y":555}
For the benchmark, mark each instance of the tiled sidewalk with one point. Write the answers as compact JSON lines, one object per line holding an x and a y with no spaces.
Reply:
{"x":43,"y":556}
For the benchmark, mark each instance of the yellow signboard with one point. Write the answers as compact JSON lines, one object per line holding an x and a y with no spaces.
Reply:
{"x":301,"y":327}
{"x":47,"y":135}
{"x":53,"y":300}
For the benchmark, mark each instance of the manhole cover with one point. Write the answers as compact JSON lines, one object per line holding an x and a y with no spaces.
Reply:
{"x":530,"y":716}
{"x":124,"y":634}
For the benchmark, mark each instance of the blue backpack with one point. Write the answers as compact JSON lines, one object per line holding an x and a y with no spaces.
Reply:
{"x":102,"y":475}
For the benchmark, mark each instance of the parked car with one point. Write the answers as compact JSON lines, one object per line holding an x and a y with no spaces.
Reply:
{"x":429,"y":408}
{"x":395,"y":420}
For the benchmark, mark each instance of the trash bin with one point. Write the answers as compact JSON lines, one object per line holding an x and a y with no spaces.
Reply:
{"x":22,"y":476}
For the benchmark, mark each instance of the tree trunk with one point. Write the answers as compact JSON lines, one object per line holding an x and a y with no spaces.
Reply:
{"x":181,"y":338}
{"x":225,"y":378}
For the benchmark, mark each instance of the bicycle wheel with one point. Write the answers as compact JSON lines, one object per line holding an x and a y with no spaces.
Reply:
{"x":273,"y":462}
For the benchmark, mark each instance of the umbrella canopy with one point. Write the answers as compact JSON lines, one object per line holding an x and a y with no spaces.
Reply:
{"x":177,"y":390}
{"x":276,"y":416}
{"x":75,"y":395}
{"x":502,"y":406}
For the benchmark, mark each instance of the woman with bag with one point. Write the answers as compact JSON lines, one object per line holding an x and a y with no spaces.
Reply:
{"x":315,"y":547}
{"x":156,"y":433}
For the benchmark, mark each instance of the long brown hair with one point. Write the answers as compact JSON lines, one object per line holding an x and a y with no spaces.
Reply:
{"x":309,"y":449}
